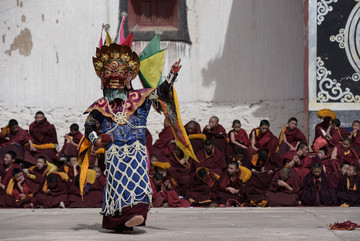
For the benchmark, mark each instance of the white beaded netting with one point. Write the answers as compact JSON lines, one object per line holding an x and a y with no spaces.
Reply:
{"x":127,"y":180}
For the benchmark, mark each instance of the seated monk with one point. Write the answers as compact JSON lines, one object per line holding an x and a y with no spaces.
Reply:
{"x":44,"y":139}
{"x":317,"y":189}
{"x":71,"y":142}
{"x":181,"y":167}
{"x":203,"y":188}
{"x":300,"y":161}
{"x":335,"y":176}
{"x":211,"y":158}
{"x":337,"y":133}
{"x":217,"y":134}
{"x":13,"y":138}
{"x":196,"y":138}
{"x":264,"y":165}
{"x":322,"y":158}
{"x":20,"y":190}
{"x":71,"y":168}
{"x":262,"y":137}
{"x":171,"y":196}
{"x":290,"y":137}
{"x":93,"y":190}
{"x":164,"y":146}
{"x":284,"y":189}
{"x":348,"y":191}
{"x":355,"y":137}
{"x":37,"y":173}
{"x":238,"y":138}
{"x":9,"y":165}
{"x":343,"y":152}
{"x":156,"y":182}
{"x":55,"y":191}
{"x":322,"y":130}
{"x":231,"y":185}
{"x":241,"y":158}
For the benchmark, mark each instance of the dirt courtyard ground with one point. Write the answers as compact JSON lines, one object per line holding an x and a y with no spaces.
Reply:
{"x":298,"y":223}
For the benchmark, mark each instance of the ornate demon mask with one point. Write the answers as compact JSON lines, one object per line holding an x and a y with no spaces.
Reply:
{"x":116,"y":65}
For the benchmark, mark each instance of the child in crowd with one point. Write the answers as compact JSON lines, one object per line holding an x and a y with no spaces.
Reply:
{"x":238,"y":138}
{"x":317,"y":190}
{"x":348,"y":191}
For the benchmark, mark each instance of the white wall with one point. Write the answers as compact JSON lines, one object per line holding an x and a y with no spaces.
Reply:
{"x":245,"y":61}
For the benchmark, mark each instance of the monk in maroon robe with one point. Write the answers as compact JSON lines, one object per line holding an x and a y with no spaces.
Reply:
{"x":13,"y":138}
{"x":164,"y":146}
{"x":300,"y":161}
{"x":290,"y":137}
{"x":203,"y":188}
{"x":344,"y":152}
{"x":238,"y":138}
{"x":71,"y":168}
{"x":180,"y":167}
{"x":9,"y":165}
{"x":263,"y":166}
{"x":93,"y":191}
{"x":348,"y":191}
{"x":317,"y":189}
{"x":20,"y":190}
{"x":231,"y":185}
{"x":284,"y":189}
{"x":335,"y":176}
{"x":211,"y":158}
{"x":261,"y":138}
{"x":55,"y":191}
{"x":217,"y":134}
{"x":337,"y":133}
{"x":37,"y":173}
{"x":194,"y":133}
{"x":355,"y":137}
{"x":322,"y":128}
{"x":71,"y":142}
{"x":44,"y":135}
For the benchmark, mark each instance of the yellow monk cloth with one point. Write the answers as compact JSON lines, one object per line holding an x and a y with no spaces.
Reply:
{"x":100,"y":151}
{"x":43,"y":146}
{"x":63,"y":176}
{"x":162,"y":165}
{"x":245,"y":174}
{"x":326,"y":113}
{"x":5,"y":131}
{"x":197,"y":136}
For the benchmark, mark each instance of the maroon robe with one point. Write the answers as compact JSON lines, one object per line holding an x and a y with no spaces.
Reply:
{"x":38,"y":177}
{"x":226,"y":181}
{"x":324,"y":125}
{"x":180,"y":172}
{"x":202,"y":192}
{"x":334,"y":178}
{"x":215,"y":162}
{"x":53,"y":198}
{"x":305,"y":163}
{"x":21,"y":137}
{"x":267,"y":140}
{"x":262,"y":178}
{"x":337,"y":135}
{"x":355,"y":142}
{"x":342,"y":155}
{"x":70,"y":149}
{"x":346,"y":191}
{"x":218,"y":137}
{"x":93,"y":195}
{"x":69,"y":170}
{"x":15,"y":200}
{"x":42,"y":132}
{"x":292,"y":137}
{"x":280,"y":196}
{"x":162,"y":146}
{"x":240,"y":137}
{"x":318,"y":193}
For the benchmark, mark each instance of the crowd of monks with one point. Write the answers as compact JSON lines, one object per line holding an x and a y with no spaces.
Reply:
{"x":231,"y":168}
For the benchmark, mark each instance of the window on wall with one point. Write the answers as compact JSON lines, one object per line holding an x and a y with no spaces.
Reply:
{"x":153,"y":14}
{"x":149,"y":16}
